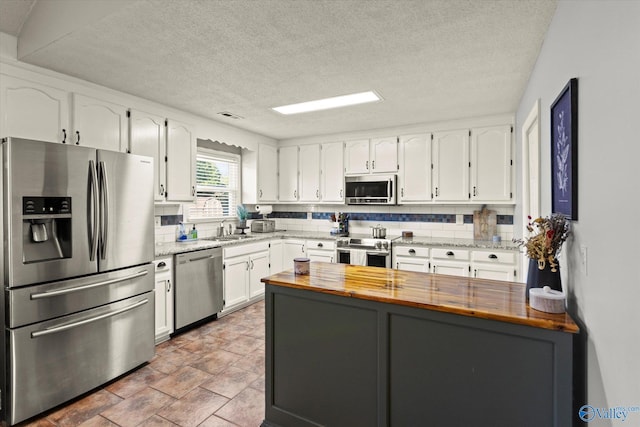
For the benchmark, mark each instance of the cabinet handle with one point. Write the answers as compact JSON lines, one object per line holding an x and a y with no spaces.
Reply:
{"x":193,"y":190}
{"x":252,"y":264}
{"x":493,"y":256}
{"x":397,"y":266}
{"x":169,"y":286}
{"x":162,"y":264}
{"x":247,"y":262}
{"x":260,"y":194}
{"x":366,"y":165}
{"x":402,"y":192}
{"x":475,"y":272}
{"x":320,"y":245}
{"x":412,"y":251}
{"x":302,"y":248}
{"x":373,"y":164}
{"x":435,"y":267}
{"x":317,"y":194}
{"x":331,"y":258}
{"x":449,"y":253}
{"x":341,"y":193}
{"x":162,"y":189}
{"x":77,"y":137}
{"x":64,"y":136}
{"x":475,"y":193}
{"x":437,"y":192}
{"x":295,"y":194}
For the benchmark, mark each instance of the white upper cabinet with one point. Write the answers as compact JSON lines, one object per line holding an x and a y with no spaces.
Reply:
{"x":384,"y":155}
{"x":309,"y":167}
{"x":33,"y":111}
{"x":181,"y":163}
{"x":288,"y":174}
{"x":267,"y":173}
{"x":414,"y":174}
{"x":378,"y":155}
{"x":332,"y":172}
{"x":99,"y":124}
{"x":491,"y":164}
{"x":147,"y":138}
{"x":451,"y":166}
{"x":356,"y":157}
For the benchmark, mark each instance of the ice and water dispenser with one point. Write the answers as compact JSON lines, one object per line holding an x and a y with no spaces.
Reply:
{"x":46,"y":228}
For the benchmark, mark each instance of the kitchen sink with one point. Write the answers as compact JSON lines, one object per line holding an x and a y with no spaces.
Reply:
{"x":230,"y":237}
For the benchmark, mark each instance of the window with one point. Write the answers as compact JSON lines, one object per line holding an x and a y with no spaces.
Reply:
{"x":217,"y":185}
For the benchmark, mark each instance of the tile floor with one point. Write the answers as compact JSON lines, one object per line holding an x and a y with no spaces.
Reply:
{"x":212,"y":376}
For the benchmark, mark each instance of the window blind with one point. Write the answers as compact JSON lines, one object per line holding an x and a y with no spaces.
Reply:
{"x":217,"y":185}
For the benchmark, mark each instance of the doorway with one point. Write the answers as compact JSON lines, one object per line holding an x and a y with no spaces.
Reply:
{"x":530,"y":174}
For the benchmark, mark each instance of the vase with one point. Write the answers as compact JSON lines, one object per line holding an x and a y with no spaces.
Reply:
{"x":242,"y":223}
{"x":537,"y":278}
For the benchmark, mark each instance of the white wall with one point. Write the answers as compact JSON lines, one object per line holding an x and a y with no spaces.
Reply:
{"x":599,"y":43}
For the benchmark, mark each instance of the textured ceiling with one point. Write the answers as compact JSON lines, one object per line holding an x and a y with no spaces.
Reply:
{"x":430,"y":60}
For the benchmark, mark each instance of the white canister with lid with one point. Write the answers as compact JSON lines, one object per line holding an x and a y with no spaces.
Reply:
{"x":547,"y":300}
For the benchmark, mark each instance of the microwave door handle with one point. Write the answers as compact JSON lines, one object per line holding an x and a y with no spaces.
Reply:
{"x":105,"y":209}
{"x":389,"y":195}
{"x":94,"y":213}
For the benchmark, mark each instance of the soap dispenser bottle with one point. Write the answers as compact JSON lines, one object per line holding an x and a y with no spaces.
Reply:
{"x":194,"y":232}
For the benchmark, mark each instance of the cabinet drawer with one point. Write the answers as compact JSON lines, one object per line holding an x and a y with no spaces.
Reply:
{"x":414,"y":251}
{"x":494,"y":257}
{"x":321,"y":244}
{"x":163,"y":265}
{"x":450,"y":253}
{"x":246,"y":249}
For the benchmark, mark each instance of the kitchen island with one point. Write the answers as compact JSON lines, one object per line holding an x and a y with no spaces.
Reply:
{"x":366,"y":346}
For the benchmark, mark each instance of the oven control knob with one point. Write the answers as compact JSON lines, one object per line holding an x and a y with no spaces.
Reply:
{"x":378,"y":245}
{"x":385,"y":245}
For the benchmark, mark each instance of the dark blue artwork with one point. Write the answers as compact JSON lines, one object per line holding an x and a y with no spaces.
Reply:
{"x":564,"y":153}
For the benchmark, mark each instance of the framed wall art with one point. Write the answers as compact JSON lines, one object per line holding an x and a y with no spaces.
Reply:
{"x":564,"y":152}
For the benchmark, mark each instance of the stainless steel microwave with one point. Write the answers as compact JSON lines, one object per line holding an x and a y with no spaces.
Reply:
{"x":370,"y":190}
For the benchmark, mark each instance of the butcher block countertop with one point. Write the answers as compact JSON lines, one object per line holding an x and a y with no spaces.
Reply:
{"x":480,"y":298}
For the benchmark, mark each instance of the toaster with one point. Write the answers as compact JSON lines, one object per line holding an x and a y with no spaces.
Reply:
{"x":263,"y":226}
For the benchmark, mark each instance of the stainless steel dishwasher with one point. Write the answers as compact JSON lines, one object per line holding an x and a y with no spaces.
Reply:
{"x":198,"y":288}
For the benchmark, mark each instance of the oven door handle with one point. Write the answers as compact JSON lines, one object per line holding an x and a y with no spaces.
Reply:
{"x":54,"y":330}
{"x":85,"y":287}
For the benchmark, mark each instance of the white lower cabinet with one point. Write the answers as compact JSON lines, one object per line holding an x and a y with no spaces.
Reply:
{"x":275,"y":256}
{"x":292,"y":248}
{"x":411,"y":258}
{"x":244,"y":266}
{"x":451,"y":261}
{"x":164,"y":298}
{"x":321,"y":250}
{"x":494,"y":265}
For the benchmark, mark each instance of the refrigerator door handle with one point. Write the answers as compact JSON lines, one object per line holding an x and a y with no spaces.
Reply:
{"x":93,"y":239}
{"x":105,"y":209}
{"x":53,"y":330}
{"x":65,"y":291}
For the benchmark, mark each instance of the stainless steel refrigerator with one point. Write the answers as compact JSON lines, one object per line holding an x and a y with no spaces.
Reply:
{"x":78,"y":300}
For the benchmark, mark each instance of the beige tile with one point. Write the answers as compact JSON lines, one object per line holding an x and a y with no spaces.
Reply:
{"x":254,"y":362}
{"x":231,"y":381}
{"x":217,"y":361}
{"x":243,"y":345}
{"x":172,"y":361}
{"x":246,"y":409}
{"x":181,"y":382}
{"x":156,"y":421}
{"x":193,"y":408}
{"x":135,"y":381}
{"x":137,"y":408}
{"x":38,"y":422}
{"x":98,"y":421}
{"x":259,"y":384}
{"x":214,"y":421}
{"x":78,"y":412}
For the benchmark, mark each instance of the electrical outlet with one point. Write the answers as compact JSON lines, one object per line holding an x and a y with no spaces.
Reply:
{"x":583,"y":259}
{"x":157,"y":221}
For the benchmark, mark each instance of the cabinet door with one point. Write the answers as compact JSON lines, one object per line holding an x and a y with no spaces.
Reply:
{"x":275,"y":256}
{"x":288,"y":174}
{"x":181,"y":163}
{"x":384,"y":155}
{"x":309,"y":158}
{"x":491,"y":164}
{"x":412,"y":264}
{"x":451,"y":268}
{"x":33,"y":111}
{"x":148,"y":139}
{"x":356,"y":157}
{"x":163,"y":298}
{"x":332,"y":172}
{"x":451,"y":166}
{"x":415,"y":168}
{"x":267,"y":173}
{"x":236,"y":273}
{"x":258,"y":268}
{"x":494,"y":272}
{"x":99,"y":124}
{"x":291,"y":249}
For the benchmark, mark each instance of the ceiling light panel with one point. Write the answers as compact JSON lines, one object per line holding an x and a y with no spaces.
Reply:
{"x":328,"y":103}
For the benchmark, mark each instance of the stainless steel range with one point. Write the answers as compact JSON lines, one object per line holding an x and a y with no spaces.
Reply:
{"x":364,"y":251}
{"x":77,"y":299}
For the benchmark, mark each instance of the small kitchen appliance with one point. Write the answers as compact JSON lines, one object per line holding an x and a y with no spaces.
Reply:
{"x":263,"y":226}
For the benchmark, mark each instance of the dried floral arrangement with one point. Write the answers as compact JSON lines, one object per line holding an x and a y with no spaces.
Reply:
{"x":545,"y":245}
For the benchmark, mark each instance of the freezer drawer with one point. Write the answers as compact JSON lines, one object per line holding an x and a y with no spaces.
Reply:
{"x":198,"y":287}
{"x":52,"y":362}
{"x":42,"y":302}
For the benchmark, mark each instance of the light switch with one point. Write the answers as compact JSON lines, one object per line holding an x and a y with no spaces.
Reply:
{"x":157,"y":221}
